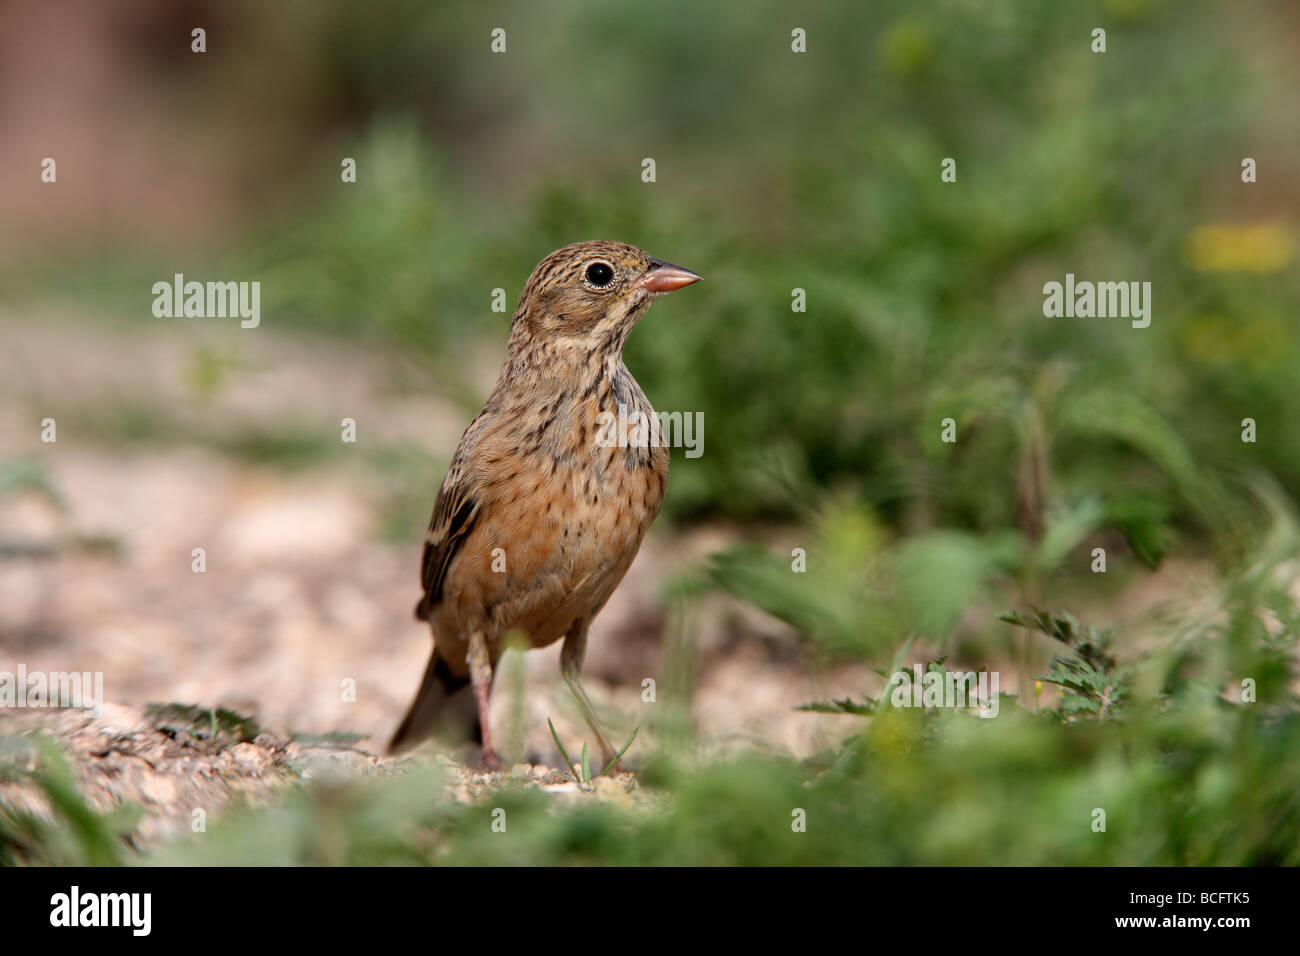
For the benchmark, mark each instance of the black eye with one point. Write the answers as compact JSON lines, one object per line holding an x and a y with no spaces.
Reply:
{"x":599,"y":274}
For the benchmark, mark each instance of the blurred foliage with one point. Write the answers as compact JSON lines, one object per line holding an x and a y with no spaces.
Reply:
{"x":20,"y":475}
{"x":66,"y":830}
{"x":821,"y":171}
{"x":778,"y":171}
{"x":1094,"y":685}
{"x":208,"y":728}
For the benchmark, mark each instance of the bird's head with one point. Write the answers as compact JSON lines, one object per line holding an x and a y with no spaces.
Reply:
{"x":586,"y":297}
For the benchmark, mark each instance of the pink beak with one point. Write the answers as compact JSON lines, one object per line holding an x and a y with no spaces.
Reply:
{"x":665,"y":277}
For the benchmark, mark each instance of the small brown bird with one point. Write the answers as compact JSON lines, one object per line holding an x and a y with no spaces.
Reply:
{"x":540,"y":514}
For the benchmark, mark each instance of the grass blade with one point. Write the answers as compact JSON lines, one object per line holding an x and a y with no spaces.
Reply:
{"x":619,"y":756}
{"x":563,"y":753}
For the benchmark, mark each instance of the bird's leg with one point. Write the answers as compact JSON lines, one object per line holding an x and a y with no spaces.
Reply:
{"x":480,"y":675}
{"x":575,"y":647}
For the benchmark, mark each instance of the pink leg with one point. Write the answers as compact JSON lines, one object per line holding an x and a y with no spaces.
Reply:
{"x":480,"y":674}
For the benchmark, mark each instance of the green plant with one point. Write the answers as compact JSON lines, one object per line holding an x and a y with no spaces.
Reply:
{"x":581,"y":772}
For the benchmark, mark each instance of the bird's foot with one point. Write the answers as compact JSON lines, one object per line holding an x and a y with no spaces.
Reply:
{"x":489,"y":760}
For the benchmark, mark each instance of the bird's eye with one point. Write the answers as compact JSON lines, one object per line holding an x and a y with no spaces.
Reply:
{"x":600,"y":274}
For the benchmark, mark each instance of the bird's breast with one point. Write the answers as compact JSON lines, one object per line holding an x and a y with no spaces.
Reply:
{"x":578,"y":485}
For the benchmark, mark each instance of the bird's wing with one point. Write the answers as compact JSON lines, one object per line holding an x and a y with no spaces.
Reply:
{"x":454,"y":514}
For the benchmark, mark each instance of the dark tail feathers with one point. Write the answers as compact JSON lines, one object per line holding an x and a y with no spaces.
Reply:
{"x":430,"y":705}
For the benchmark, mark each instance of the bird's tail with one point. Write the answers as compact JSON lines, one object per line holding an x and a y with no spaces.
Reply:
{"x":430,"y":706}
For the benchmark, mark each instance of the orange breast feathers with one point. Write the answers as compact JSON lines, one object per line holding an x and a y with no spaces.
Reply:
{"x":557,"y":531}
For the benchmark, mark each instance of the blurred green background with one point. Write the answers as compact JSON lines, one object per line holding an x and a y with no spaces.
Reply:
{"x":779,"y":171}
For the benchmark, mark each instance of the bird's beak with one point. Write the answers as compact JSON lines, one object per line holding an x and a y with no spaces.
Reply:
{"x":665,"y":277}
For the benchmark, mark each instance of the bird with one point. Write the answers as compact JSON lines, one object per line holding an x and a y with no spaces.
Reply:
{"x":540,"y":513}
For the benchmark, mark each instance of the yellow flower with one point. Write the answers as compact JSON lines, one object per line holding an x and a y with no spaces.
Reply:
{"x":1260,"y":248}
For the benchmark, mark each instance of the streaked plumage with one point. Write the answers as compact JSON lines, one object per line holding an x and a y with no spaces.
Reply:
{"x":530,"y":478}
